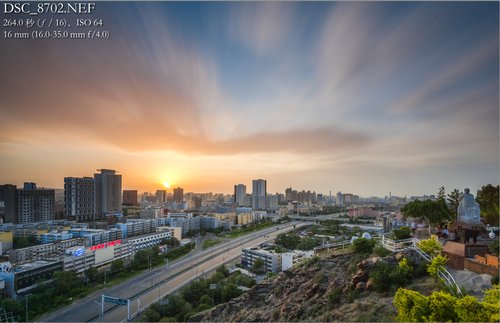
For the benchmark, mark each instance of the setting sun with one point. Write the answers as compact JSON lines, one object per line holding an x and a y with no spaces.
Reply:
{"x":166,"y":184}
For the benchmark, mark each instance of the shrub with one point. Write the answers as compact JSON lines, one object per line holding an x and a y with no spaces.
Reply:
{"x":402,"y":275}
{"x":402,"y":233}
{"x":379,"y":277}
{"x":334,"y":295}
{"x":458,"y":292}
{"x":276,"y":314}
{"x":327,"y":317}
{"x":443,"y":307}
{"x":381,"y":251}
{"x":436,"y":264}
{"x":351,"y":296}
{"x":494,"y":280}
{"x":494,"y":247}
{"x":278,"y":290}
{"x":422,"y":269}
{"x":430,"y":246}
{"x":319,"y":277}
{"x":363,"y":245}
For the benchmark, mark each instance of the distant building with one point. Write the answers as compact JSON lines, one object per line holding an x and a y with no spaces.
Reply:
{"x":79,"y":198}
{"x":340,"y":198}
{"x":259,"y":189}
{"x":35,"y":204}
{"x":178,"y":195}
{"x":8,"y":195}
{"x":130,"y":198}
{"x":108,"y":192}
{"x":161,"y":196}
{"x":240,"y":191}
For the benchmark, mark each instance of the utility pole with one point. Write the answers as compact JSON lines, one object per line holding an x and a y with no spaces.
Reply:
{"x":105,"y":279}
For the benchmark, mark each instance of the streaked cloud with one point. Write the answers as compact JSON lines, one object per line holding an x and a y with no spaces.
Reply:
{"x":314,"y":85}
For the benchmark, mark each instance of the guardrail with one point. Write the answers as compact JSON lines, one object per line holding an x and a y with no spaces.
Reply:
{"x":396,"y":246}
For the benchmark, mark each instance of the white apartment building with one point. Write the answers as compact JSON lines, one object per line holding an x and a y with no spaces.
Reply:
{"x":148,"y":241}
{"x":271,"y":259}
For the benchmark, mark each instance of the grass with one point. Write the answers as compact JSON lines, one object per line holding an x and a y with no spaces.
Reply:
{"x":210,"y":243}
{"x":240,"y":234}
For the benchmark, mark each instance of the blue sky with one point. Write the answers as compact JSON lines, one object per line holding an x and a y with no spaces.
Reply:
{"x":362,"y":97}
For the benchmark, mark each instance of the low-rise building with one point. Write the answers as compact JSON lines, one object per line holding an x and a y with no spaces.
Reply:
{"x":47,"y":250}
{"x":7,"y":240}
{"x":227,"y":224}
{"x":98,"y":257}
{"x":135,"y":227}
{"x":288,"y":259}
{"x":148,"y":241}
{"x":272,"y":260}
{"x":176,"y":231}
{"x":20,"y":279}
{"x":208,"y":222}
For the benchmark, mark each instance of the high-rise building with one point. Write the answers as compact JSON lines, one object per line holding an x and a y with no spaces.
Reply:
{"x":34,"y":204}
{"x":340,"y":198}
{"x":178,"y":195}
{"x":8,"y":195}
{"x":240,"y":191}
{"x":130,"y":198}
{"x":79,"y":198}
{"x":259,"y":187}
{"x":108,"y":191}
{"x":161,"y":196}
{"x":288,"y":194}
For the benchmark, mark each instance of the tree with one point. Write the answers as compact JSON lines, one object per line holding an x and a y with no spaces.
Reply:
{"x":91,"y":273}
{"x":433,"y":212}
{"x":453,"y":200}
{"x":441,"y":194}
{"x":152,"y":315}
{"x":62,"y":281}
{"x":117,"y":265}
{"x":223,"y":270}
{"x":488,"y":199}
{"x":229,"y":292}
{"x":258,"y":265}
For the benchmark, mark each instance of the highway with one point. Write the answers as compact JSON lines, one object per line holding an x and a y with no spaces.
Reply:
{"x":89,"y":309}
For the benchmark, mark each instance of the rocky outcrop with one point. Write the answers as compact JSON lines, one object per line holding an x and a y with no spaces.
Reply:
{"x":291,"y":294}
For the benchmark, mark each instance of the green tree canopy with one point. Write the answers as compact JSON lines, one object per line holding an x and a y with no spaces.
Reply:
{"x":258,"y":265}
{"x":117,"y":265}
{"x":453,"y":201}
{"x":229,"y":292}
{"x":488,"y":199}
{"x":441,"y":194}
{"x":433,"y":212}
{"x":91,"y":273}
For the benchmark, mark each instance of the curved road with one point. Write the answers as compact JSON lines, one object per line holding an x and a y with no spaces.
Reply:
{"x":89,"y":309}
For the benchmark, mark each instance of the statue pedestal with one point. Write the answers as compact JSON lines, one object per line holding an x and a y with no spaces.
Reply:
{"x":457,"y":252}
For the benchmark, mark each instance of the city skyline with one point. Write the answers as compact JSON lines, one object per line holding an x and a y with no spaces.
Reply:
{"x":365,"y":98}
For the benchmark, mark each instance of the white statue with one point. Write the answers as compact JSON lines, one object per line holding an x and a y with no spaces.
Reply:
{"x":468,"y":209}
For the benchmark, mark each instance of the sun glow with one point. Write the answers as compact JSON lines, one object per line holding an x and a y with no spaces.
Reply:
{"x":166,"y":184}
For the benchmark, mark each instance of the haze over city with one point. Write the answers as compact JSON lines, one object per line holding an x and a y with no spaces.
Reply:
{"x":368,"y":98}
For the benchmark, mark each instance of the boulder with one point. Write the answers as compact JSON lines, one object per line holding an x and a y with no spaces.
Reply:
{"x":369,"y":285}
{"x":361,"y":286}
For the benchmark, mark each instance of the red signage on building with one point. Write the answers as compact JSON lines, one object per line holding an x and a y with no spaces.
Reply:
{"x":105,"y":245}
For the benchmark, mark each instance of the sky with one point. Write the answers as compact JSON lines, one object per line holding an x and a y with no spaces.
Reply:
{"x":359,"y":97}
